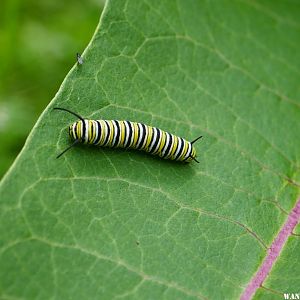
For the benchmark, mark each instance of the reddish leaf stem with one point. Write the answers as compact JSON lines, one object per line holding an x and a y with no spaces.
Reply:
{"x":273,"y":252}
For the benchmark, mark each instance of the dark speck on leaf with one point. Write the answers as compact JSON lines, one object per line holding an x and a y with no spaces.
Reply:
{"x":79,"y":59}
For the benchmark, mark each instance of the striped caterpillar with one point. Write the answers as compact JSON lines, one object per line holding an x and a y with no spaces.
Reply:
{"x":126,"y":134}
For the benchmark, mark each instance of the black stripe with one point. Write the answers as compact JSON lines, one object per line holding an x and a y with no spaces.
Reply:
{"x":92,"y":131}
{"x":169,"y":146}
{"x":165,"y":145}
{"x":150,"y":147}
{"x":161,"y":141}
{"x":83,"y":131}
{"x":98,"y":134}
{"x":138,"y":133}
{"x":107,"y":134}
{"x":188,"y":153}
{"x":125,"y":132}
{"x":158,"y":137}
{"x":181,"y":148}
{"x":117,"y":133}
{"x":151,"y":144}
{"x":177,"y":145}
{"x":75,"y":130}
{"x":129,"y":134}
{"x":139,"y":146}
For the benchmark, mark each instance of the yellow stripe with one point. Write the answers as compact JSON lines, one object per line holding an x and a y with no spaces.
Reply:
{"x":92,"y":131}
{"x":104,"y":131}
{"x":135,"y":134}
{"x":95,"y":131}
{"x":150,"y":134}
{"x":111,"y":126}
{"x":102,"y":135}
{"x":162,"y":142}
{"x":185,"y":149}
{"x":89,"y":130}
{"x":193,"y":152}
{"x":78,"y":130}
{"x":122,"y":133}
{"x":174,"y":147}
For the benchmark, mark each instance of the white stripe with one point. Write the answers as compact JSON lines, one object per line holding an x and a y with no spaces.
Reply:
{"x":160,"y":140}
{"x":86,"y":122}
{"x":115,"y":132}
{"x":146,"y":136}
{"x":119,"y":130}
{"x":132,"y":133}
{"x":178,"y":146}
{"x":189,"y":150}
{"x":141,"y":132}
{"x":172,"y":144}
{"x":166,"y":144}
{"x":101,"y":131}
{"x":94,"y":131}
{"x":154,"y":138}
{"x":73,"y":129}
{"x":106,"y":132}
{"x":127,"y":132}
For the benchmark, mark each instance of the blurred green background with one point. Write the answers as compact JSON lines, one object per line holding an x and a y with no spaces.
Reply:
{"x":38,"y":45}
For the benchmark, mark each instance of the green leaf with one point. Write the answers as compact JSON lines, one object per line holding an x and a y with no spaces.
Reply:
{"x":109,"y":223}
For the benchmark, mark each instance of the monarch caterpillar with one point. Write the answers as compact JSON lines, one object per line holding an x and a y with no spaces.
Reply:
{"x":126,"y":134}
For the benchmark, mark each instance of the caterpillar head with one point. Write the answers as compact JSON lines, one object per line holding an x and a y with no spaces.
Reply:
{"x":76,"y":130}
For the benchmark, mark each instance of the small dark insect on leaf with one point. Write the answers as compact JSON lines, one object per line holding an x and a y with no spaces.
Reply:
{"x":79,"y":59}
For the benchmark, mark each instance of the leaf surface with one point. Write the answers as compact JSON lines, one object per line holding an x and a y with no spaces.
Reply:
{"x":106,"y":223}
